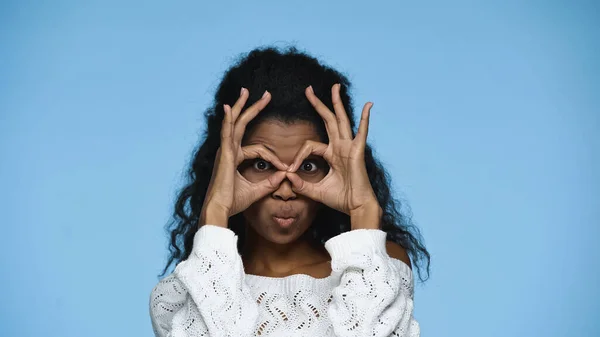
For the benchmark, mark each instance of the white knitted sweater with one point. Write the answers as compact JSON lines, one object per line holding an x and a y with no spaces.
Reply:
{"x":368,"y":294}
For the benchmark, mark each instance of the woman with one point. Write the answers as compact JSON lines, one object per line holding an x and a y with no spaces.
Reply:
{"x":287,"y":226}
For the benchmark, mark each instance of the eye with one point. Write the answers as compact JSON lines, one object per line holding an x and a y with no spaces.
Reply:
{"x":261,"y":165}
{"x":309,"y":166}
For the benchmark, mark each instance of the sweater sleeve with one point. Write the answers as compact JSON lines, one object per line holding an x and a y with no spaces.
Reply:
{"x":206,"y":295}
{"x":375,"y":294}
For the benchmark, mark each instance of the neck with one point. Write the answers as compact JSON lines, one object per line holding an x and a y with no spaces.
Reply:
{"x":266,"y":258}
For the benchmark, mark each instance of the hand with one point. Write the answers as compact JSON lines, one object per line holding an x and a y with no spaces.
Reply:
{"x":346,"y":187}
{"x":229,"y":192}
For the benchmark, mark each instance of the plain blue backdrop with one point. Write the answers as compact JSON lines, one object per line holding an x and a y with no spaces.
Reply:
{"x":486,"y":115}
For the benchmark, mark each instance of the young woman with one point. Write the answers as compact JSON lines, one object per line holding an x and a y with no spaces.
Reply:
{"x":287,"y":226}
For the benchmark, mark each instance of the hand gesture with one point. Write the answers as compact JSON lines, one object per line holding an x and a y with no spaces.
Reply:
{"x":346,"y":187}
{"x":229,"y":192}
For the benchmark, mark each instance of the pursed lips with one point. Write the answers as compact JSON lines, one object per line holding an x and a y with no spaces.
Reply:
{"x":286,"y":213}
{"x":285,"y":217}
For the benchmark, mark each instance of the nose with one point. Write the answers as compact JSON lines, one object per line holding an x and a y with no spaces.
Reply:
{"x":284,"y":192}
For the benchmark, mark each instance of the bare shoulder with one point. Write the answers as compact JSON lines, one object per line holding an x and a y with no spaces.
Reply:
{"x":398,"y":252}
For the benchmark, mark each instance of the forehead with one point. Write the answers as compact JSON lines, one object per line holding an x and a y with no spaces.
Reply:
{"x":282,"y":138}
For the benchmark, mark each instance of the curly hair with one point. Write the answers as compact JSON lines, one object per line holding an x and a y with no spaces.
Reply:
{"x":285,"y":74}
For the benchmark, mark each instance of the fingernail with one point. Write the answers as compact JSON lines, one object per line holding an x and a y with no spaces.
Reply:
{"x":310,"y":88}
{"x":265,"y":94}
{"x":242,"y":91}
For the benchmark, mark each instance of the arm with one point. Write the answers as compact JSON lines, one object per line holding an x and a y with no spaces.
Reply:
{"x":375,"y":295}
{"x":206,"y":294}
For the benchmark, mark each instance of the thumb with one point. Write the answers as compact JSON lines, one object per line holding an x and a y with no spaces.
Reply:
{"x":303,"y":187}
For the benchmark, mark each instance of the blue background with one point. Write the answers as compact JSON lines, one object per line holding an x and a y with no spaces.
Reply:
{"x":486,"y":115}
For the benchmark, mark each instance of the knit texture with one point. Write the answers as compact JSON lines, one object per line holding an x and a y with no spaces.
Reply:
{"x":368,"y":294}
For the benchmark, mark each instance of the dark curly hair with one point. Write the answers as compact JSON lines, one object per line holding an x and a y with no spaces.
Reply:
{"x":285,"y":74}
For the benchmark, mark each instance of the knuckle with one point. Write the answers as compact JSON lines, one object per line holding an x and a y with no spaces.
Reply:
{"x":260,"y":149}
{"x":308,"y":145}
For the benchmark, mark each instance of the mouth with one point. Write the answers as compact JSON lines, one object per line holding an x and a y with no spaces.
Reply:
{"x":285,"y":222}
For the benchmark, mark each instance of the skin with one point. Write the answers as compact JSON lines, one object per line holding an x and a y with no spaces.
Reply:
{"x":278,"y":251}
{"x":345,"y":187}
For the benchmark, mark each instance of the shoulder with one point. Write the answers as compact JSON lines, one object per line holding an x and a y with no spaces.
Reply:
{"x":169,"y":302}
{"x":168,"y":290}
{"x":397,"y":252}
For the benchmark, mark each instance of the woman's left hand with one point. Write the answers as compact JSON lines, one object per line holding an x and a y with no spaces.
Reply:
{"x":346,"y":187}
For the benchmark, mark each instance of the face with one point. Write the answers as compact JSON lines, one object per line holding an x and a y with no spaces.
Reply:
{"x":282,"y":216}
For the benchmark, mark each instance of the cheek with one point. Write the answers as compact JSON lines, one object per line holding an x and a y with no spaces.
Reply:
{"x":312,"y":177}
{"x":251,"y":214}
{"x":311,"y":209}
{"x":254,"y":176}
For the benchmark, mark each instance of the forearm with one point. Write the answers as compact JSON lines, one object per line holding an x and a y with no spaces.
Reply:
{"x":173,"y":313}
{"x":374,"y":296}
{"x":214,"y":276}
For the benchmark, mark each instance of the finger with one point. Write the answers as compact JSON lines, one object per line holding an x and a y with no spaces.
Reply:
{"x":259,"y":151}
{"x":302,"y":187}
{"x":309,"y":147}
{"x":268,"y":185}
{"x":363,"y":127}
{"x":340,"y":113}
{"x":226,"y":126}
{"x":245,"y":118}
{"x":239,"y":104}
{"x":324,"y":112}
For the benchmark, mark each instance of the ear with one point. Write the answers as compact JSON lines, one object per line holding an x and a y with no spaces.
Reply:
{"x":398,"y":252}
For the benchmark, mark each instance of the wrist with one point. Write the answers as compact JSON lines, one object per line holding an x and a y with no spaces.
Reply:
{"x":214,"y":215}
{"x":367,"y":216}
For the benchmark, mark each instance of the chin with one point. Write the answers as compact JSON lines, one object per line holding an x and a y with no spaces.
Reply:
{"x":281,"y":240}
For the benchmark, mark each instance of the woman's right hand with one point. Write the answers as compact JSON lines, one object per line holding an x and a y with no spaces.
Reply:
{"x":229,"y":192}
